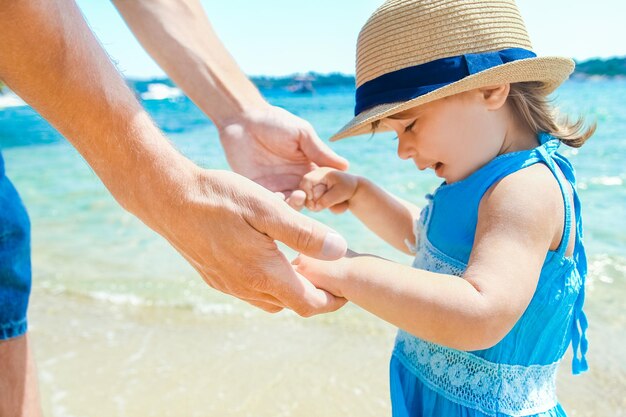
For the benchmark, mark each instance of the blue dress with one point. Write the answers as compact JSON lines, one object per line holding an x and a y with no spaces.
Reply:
{"x":516,"y":377}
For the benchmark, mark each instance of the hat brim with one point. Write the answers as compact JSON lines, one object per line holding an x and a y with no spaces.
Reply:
{"x":551,"y":71}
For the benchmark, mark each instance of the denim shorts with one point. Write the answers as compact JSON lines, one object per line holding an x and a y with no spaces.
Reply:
{"x":15,"y":267}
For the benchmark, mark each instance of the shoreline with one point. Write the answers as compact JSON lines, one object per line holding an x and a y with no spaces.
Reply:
{"x":125,"y":360}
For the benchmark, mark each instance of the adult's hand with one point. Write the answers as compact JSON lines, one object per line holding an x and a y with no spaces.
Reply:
{"x":265,"y":143}
{"x":276,"y":149}
{"x":226,"y":225}
{"x":222,"y":223}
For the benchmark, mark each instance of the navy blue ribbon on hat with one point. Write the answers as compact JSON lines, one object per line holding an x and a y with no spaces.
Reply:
{"x":412,"y":82}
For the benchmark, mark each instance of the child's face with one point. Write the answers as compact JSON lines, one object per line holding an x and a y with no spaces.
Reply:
{"x":454,"y":136}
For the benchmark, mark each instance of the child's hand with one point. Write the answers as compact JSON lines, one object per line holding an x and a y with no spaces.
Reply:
{"x":330,"y":276}
{"x":328,"y":188}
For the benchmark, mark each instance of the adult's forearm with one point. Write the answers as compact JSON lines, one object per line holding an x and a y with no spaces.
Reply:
{"x":51,"y":59}
{"x":179,"y":36}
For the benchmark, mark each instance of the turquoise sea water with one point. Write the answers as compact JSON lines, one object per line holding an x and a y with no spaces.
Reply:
{"x":78,"y":227}
{"x":85,"y":245}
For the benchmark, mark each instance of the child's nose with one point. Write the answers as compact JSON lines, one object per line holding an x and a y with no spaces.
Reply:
{"x":405,"y":149}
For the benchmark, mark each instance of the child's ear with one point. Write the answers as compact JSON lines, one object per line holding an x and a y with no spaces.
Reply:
{"x":495,"y":96}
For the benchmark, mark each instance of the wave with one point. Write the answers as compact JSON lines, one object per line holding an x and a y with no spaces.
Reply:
{"x":607,"y":181}
{"x":606,"y":269}
{"x":11,"y":100}
{"x":202,"y":307}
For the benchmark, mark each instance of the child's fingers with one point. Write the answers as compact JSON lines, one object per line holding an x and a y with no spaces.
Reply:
{"x":318,"y":191}
{"x":334,"y":196}
{"x":313,"y":178}
{"x":306,"y":185}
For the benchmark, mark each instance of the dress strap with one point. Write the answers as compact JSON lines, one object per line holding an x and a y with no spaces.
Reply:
{"x":565,"y":174}
{"x":546,"y":157}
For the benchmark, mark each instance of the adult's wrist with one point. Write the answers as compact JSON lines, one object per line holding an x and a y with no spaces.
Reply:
{"x":161,"y":188}
{"x":220,"y":90}
{"x":239,"y":112}
{"x":179,"y":36}
{"x":140,"y":167}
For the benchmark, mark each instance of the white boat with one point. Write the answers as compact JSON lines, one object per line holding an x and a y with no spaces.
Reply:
{"x":158,"y":91}
{"x":302,"y":84}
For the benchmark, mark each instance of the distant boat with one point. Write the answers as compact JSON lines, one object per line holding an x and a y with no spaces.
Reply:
{"x":158,"y":91}
{"x":10,"y":99}
{"x":302,"y":84}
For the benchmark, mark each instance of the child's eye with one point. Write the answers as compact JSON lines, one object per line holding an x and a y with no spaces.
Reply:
{"x":410,"y":126}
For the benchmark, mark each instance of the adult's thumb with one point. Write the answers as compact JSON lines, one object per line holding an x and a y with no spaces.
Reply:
{"x":306,"y":235}
{"x":320,"y":154}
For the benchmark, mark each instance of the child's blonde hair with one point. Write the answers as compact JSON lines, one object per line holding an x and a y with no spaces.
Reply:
{"x":535,"y":110}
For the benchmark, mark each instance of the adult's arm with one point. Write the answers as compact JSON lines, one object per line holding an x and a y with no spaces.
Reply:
{"x":222,"y":223}
{"x":265,"y":143}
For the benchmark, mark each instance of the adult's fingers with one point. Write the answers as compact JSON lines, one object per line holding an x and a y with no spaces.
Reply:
{"x":299,"y":294}
{"x":245,"y":292}
{"x":307,"y":300}
{"x":296,"y":199}
{"x":319,"y":153}
{"x":270,"y":308}
{"x":278,"y":278}
{"x":299,"y":232}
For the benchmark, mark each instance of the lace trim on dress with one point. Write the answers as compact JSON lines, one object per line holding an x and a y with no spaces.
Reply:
{"x":474,"y":382}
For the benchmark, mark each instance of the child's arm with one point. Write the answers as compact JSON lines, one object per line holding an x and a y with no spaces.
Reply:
{"x":388,"y":216}
{"x":517,"y":222}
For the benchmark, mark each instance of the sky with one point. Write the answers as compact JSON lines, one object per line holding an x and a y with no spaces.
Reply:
{"x":280,"y":37}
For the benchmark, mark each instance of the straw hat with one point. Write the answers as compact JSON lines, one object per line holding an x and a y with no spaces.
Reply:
{"x":411,"y":52}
